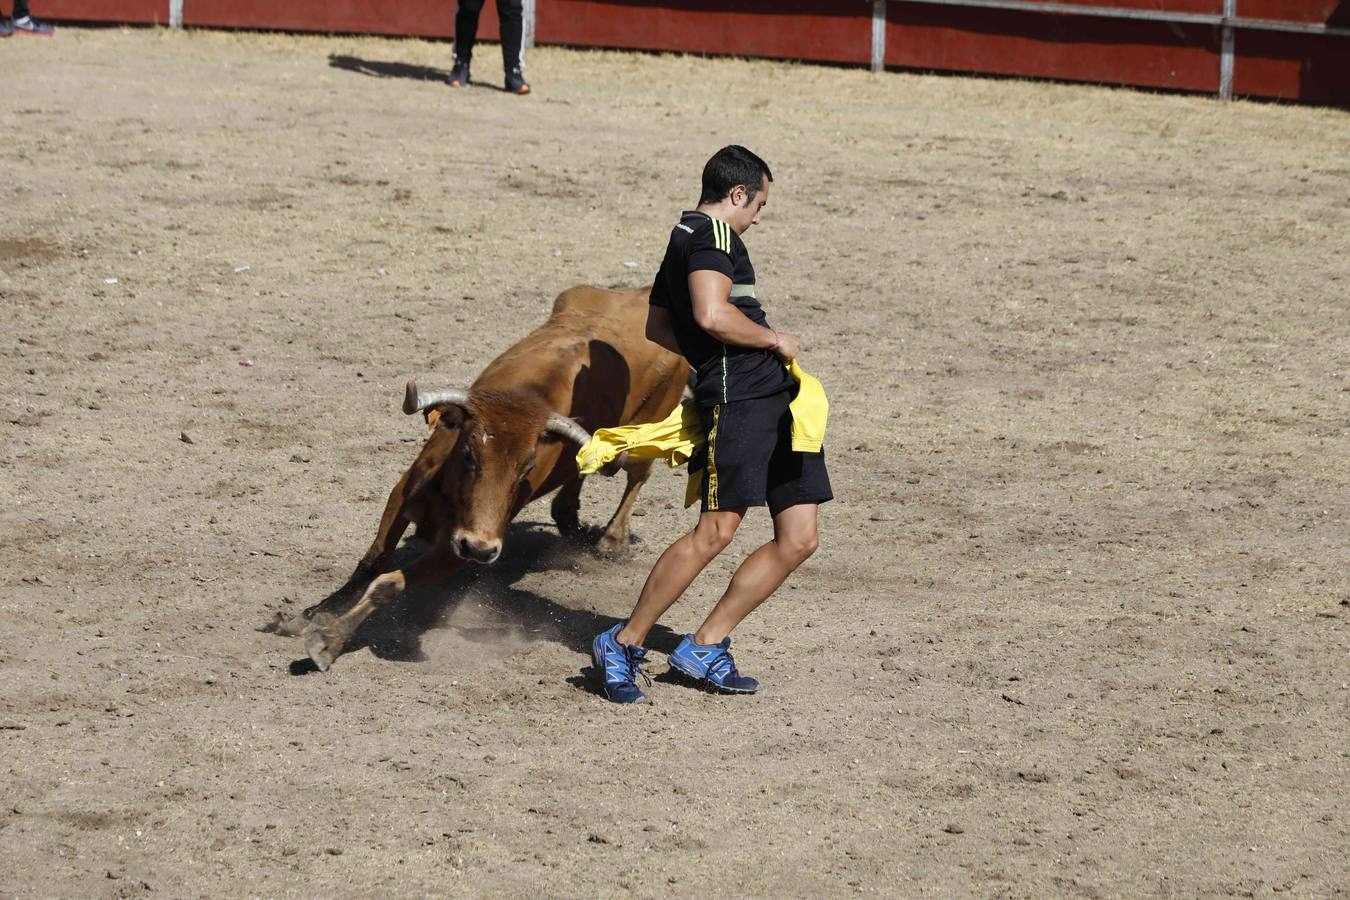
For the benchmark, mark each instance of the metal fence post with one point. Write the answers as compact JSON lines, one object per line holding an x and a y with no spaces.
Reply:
{"x":1226,"y":54}
{"x":175,"y":13}
{"x":529,"y":23}
{"x":878,"y":35}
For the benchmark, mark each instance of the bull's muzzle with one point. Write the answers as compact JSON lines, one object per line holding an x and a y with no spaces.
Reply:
{"x":473,"y":549}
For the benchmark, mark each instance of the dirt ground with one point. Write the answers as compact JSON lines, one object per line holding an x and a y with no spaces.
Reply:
{"x":1078,"y":624}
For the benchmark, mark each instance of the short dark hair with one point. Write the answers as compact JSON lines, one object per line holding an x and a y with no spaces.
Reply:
{"x":729,"y":167}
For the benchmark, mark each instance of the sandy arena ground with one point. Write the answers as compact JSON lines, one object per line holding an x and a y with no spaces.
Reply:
{"x":1078,"y":625}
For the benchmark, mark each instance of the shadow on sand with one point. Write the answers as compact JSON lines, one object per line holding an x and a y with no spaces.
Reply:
{"x":395,"y":633}
{"x":379,"y":69}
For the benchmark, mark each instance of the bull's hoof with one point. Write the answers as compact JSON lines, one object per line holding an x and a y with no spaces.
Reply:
{"x":612,"y":546}
{"x":567,"y":520}
{"x":285,"y":625}
{"x":567,"y":517}
{"x":323,"y":647}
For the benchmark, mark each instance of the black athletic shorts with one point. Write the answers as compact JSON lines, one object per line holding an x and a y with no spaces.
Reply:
{"x":748,"y":460}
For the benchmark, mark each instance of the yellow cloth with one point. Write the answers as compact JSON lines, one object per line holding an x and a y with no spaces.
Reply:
{"x":810,"y":410}
{"x":678,"y":435}
{"x":673,"y":439}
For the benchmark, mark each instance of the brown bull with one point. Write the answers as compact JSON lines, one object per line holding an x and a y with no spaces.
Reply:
{"x":511,"y":438}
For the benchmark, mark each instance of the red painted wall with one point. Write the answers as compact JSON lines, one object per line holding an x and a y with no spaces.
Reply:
{"x":1213,"y":7}
{"x":423,"y":18}
{"x":918,"y":35}
{"x":135,"y":12}
{"x":1292,"y":67}
{"x":1320,"y":11}
{"x":838,"y":31}
{"x":1075,"y":48}
{"x":925,"y":36}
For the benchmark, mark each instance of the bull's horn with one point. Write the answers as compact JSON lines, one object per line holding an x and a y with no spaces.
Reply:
{"x":568,"y":428}
{"x":414,"y":400}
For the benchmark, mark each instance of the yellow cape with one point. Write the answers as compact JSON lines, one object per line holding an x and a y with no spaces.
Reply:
{"x":678,"y":435}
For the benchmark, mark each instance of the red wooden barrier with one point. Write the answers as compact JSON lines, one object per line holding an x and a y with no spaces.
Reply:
{"x":1075,"y":48}
{"x":422,"y":18}
{"x":1293,"y":67}
{"x":919,"y":35}
{"x":1319,"y":11}
{"x":134,"y":12}
{"x":838,"y":31}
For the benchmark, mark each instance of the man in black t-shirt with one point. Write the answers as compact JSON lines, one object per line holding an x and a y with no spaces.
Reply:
{"x":704,"y":306}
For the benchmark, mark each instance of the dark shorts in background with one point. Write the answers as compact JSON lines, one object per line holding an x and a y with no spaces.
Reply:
{"x":748,"y":458}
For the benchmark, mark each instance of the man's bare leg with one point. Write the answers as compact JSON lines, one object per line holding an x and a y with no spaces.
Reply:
{"x":678,"y":567}
{"x":795,"y":537}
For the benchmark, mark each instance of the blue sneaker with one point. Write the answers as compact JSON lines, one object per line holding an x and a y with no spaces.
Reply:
{"x":618,"y":664}
{"x":711,"y":664}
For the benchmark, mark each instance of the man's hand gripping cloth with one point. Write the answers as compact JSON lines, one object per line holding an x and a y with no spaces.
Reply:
{"x":677,"y":436}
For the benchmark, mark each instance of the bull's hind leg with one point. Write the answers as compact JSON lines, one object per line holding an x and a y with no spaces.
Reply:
{"x":566,"y":508}
{"x":614,"y":542}
{"x":324,"y":641}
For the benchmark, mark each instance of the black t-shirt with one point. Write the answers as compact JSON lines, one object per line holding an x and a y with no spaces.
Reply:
{"x":724,"y":373}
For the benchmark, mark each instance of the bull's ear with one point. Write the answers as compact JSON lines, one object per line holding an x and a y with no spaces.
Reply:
{"x":449,"y":416}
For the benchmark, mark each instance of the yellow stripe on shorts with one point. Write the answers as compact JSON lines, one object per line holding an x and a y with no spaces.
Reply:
{"x":712,"y":461}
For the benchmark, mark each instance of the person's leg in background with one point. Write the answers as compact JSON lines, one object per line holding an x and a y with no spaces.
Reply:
{"x":466,"y":31}
{"x":24,"y":23}
{"x":511,"y":14}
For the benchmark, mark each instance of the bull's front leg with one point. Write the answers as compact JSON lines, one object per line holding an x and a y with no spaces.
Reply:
{"x":614,"y":542}
{"x":393,"y":523}
{"x":324,"y":641}
{"x":401,"y":507}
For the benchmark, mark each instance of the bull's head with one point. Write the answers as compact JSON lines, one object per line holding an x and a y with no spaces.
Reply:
{"x":504,"y":445}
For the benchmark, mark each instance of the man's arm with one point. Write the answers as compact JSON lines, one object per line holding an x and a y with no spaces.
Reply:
{"x":716,"y":314}
{"x":659,"y":329}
